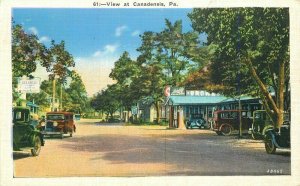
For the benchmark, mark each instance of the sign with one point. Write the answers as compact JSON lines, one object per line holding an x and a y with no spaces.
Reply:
{"x":29,"y":85}
{"x":167,"y":91}
{"x":177,"y":91}
{"x":134,"y":110}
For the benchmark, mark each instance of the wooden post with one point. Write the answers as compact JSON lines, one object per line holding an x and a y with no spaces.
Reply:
{"x":171,"y":117}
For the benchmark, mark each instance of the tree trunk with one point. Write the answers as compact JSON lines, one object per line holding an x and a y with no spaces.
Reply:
{"x":275,"y":110}
{"x":280,"y":96}
{"x":157,"y":106}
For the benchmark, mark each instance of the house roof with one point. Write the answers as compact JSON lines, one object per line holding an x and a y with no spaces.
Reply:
{"x":190,"y":100}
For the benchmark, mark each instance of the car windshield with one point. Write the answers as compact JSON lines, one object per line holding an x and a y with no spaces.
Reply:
{"x":55,"y":117}
{"x":20,"y":116}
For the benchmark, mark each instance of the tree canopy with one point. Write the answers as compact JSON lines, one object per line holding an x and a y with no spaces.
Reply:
{"x":252,"y":52}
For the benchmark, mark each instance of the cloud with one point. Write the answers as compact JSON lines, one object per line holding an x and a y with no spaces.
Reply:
{"x":108,"y":49}
{"x":135,"y":33}
{"x":33,"y":30}
{"x":44,"y":39}
{"x":120,"y":30}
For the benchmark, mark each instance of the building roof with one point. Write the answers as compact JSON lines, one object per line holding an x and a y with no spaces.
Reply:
{"x":204,"y":100}
{"x":243,"y":98}
{"x":30,"y":104}
{"x":190,"y":100}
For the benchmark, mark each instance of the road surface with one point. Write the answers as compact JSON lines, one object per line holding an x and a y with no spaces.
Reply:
{"x":117,"y":150}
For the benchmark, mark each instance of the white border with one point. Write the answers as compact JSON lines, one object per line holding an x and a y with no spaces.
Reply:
{"x":6,"y":162}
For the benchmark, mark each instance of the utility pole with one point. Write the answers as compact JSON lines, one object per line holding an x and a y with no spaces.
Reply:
{"x":239,"y":79}
{"x":53,"y":94}
{"x":61,"y":85}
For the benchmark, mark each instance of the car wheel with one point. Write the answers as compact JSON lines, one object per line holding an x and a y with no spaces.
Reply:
{"x":226,"y":129}
{"x":269,"y":145}
{"x":61,"y":136}
{"x":255,"y":132}
{"x":219,"y":133}
{"x":36,"y":146}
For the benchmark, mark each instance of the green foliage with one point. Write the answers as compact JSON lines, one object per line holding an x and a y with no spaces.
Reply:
{"x":75,"y":96}
{"x":25,"y":52}
{"x":174,"y":50}
{"x":107,"y":100}
{"x":59,"y":61}
{"x":252,"y":52}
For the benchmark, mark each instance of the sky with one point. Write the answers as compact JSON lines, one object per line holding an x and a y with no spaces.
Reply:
{"x":96,"y":38}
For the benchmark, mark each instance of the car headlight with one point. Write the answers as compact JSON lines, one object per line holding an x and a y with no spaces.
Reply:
{"x":55,"y":124}
{"x":43,"y":124}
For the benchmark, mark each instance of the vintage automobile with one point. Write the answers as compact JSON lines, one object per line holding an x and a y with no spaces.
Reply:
{"x":77,"y":116}
{"x":277,"y":138}
{"x":260,"y":123}
{"x":58,"y":123}
{"x":196,"y":121}
{"x":227,"y":121}
{"x":25,"y":135}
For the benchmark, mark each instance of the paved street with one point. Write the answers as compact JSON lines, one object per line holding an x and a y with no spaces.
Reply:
{"x":116,"y":150}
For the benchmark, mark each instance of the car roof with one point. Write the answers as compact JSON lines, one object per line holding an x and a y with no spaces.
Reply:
{"x":66,"y":113}
{"x":230,"y":111}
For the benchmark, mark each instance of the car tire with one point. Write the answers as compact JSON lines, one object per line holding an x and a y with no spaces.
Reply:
{"x":269,"y":145}
{"x":36,"y":146}
{"x":256,"y":132}
{"x":61,"y":136}
{"x":219,"y":133}
{"x":225,"y":129}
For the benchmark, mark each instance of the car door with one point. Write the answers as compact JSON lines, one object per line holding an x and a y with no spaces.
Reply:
{"x":20,"y":128}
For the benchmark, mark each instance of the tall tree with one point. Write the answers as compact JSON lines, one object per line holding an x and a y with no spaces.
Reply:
{"x":124,"y":71}
{"x":107,"y":100}
{"x":171,"y":47}
{"x":26,"y":53}
{"x":76,"y":98}
{"x":252,"y":52}
{"x":60,"y":60}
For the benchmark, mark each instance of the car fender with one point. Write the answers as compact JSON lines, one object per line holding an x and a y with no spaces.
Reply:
{"x":271,"y":132}
{"x":225,"y":124}
{"x":267,"y":128}
{"x":33,"y":135}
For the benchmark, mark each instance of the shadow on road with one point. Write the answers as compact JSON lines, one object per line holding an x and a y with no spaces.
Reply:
{"x":21,"y":155}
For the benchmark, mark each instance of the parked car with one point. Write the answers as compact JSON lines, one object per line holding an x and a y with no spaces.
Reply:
{"x":227,"y":121}
{"x":278,"y":138}
{"x":196,"y":121}
{"x":260,"y":123}
{"x":77,"y":116}
{"x":25,"y":135}
{"x":58,"y":123}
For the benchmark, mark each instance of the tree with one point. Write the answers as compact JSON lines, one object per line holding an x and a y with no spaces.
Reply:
{"x":124,"y":71}
{"x":107,"y":100}
{"x":150,"y":86}
{"x":252,"y":52}
{"x":76,"y":99}
{"x":26,"y":52}
{"x":59,"y":61}
{"x":172,"y":48}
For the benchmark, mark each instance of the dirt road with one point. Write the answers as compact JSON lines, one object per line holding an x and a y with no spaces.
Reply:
{"x":117,"y":150}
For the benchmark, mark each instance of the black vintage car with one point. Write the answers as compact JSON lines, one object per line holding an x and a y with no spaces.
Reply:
{"x":25,"y":135}
{"x":196,"y":121}
{"x":278,"y":138}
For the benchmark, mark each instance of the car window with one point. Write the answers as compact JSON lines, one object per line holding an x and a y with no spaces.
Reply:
{"x":20,"y":116}
{"x":55,"y":117}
